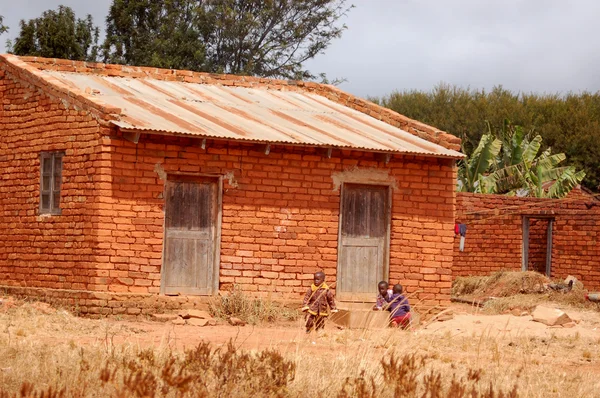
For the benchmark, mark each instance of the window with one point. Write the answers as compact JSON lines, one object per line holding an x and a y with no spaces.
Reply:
{"x":50,"y":182}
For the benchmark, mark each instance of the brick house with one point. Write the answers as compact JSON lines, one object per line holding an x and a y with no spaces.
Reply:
{"x":556,"y":237}
{"x":126,"y":186}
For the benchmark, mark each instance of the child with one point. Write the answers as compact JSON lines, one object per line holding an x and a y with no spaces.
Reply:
{"x":384,"y":296}
{"x":399,"y":308}
{"x":316,"y":300}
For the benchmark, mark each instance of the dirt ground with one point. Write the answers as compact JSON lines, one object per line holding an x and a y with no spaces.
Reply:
{"x":543,"y":361}
{"x":60,"y":327}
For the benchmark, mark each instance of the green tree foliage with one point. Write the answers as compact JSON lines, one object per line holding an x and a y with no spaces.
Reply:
{"x":507,"y":162}
{"x":58,"y":34}
{"x":270,"y":38}
{"x":3,"y":28}
{"x":568,"y":123}
{"x":164,"y":34}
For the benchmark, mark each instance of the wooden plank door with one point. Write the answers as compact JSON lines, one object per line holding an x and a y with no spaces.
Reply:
{"x":191,"y":233}
{"x":363,"y":258}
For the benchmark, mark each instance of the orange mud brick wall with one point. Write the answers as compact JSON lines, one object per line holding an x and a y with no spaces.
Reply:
{"x":41,"y":250}
{"x":279,"y":217}
{"x":494,"y":238}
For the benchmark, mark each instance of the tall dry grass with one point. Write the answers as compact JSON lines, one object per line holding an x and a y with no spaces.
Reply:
{"x":249,"y":309}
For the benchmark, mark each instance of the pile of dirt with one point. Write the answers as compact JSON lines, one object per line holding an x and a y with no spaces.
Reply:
{"x":500,"y":284}
{"x":518,"y":293}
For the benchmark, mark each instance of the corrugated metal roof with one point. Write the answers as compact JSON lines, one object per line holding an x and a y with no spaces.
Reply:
{"x":252,"y":114}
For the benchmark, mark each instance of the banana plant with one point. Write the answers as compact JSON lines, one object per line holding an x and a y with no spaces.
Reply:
{"x":472,"y":170}
{"x":508,"y":163}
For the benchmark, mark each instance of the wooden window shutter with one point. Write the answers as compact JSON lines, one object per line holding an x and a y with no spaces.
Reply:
{"x":50,"y":182}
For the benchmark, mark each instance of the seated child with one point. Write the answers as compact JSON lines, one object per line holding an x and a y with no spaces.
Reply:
{"x":317,"y":299}
{"x":384,"y":296}
{"x":399,"y":308}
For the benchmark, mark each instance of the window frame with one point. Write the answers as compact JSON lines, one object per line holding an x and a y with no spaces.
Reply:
{"x":53,"y":209}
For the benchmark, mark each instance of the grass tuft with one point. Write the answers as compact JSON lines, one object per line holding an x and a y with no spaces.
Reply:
{"x":249,"y":309}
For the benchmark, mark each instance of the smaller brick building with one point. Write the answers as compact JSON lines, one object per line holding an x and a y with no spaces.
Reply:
{"x":125,"y":187}
{"x":557,"y":237}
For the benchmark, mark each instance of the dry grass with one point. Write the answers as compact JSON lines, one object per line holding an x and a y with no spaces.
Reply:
{"x":251,"y":310}
{"x":509,"y":290}
{"x":500,"y":284}
{"x":382,"y":363}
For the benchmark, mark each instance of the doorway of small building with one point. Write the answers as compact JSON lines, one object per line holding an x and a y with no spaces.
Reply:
{"x":192,"y":235}
{"x":363,"y":240}
{"x":537,"y":244}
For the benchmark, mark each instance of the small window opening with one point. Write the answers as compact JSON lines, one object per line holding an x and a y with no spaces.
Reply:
{"x":50,"y":182}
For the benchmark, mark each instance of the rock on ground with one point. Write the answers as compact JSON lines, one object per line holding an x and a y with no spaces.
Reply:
{"x":550,"y":316}
{"x":197,"y":322}
{"x":164,"y":317}
{"x":236,"y":321}
{"x":198,"y":314}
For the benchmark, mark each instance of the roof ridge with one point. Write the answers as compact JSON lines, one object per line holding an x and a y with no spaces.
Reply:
{"x":21,"y":68}
{"x":33,"y":65}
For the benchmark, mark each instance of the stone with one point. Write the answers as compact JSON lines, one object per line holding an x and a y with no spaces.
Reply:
{"x":444,"y":317}
{"x":197,"y":322}
{"x":178,"y":321}
{"x":550,"y":316}
{"x":515,"y":312}
{"x":571,"y":278}
{"x":236,"y":322}
{"x":569,"y":325}
{"x":212,"y":322}
{"x":191,"y":313}
{"x":163,"y":317}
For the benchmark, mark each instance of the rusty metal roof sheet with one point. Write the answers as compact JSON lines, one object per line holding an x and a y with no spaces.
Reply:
{"x":251,"y":114}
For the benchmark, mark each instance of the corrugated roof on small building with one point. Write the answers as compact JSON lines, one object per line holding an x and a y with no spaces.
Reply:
{"x":243,"y":109}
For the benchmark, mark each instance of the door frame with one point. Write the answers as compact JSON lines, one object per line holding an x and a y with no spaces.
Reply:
{"x":216,"y":239}
{"x":347,"y":297}
{"x":525,"y":242}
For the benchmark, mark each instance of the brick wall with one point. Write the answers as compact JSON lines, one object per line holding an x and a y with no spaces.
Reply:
{"x":280,"y":214}
{"x":39,"y":250}
{"x":494,"y":235}
{"x":538,"y":244}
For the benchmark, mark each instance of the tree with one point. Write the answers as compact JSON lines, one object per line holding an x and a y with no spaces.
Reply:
{"x":269,"y":38}
{"x":3,"y":28}
{"x":520,"y":170}
{"x":472,"y":170}
{"x":507,"y":162}
{"x":569,"y":123}
{"x":163,"y":34}
{"x":58,"y":34}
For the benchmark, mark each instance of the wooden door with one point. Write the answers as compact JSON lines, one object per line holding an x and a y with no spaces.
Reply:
{"x":191,"y":236}
{"x":363,"y":241}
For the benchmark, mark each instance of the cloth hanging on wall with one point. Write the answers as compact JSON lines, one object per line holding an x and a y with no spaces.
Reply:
{"x":461,"y":229}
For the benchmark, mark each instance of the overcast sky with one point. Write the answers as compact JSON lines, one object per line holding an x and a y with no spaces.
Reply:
{"x":524,"y":45}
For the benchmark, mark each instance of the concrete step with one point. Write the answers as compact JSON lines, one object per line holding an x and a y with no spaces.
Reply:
{"x":361,"y":318}
{"x":355,"y":306}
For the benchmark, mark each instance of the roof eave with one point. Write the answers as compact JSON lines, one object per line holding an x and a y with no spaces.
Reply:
{"x":450,"y":155}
